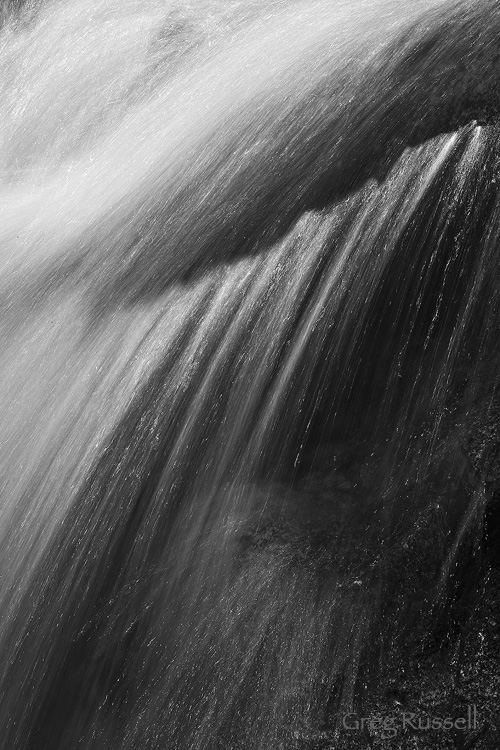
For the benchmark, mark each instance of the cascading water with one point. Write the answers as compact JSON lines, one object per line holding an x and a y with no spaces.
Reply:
{"x":248,"y":294}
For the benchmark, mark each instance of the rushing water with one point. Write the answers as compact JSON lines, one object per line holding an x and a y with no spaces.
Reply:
{"x":248,"y":292}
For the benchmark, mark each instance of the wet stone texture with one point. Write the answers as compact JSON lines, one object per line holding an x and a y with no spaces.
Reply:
{"x":439,"y":686}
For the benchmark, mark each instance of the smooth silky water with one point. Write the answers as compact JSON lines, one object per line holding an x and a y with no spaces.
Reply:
{"x":248,"y":303}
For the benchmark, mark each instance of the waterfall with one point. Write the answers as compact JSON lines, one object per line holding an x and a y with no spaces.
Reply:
{"x":248,"y":316}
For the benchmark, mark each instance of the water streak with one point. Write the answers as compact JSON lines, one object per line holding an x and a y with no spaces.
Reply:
{"x":236,"y":239}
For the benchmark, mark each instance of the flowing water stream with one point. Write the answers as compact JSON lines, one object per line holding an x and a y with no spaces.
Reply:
{"x":248,"y":304}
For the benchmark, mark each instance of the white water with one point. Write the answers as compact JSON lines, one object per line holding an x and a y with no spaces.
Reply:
{"x":167,"y":295}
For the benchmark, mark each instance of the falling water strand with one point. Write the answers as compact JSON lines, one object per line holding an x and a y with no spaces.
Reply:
{"x":236,"y":237}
